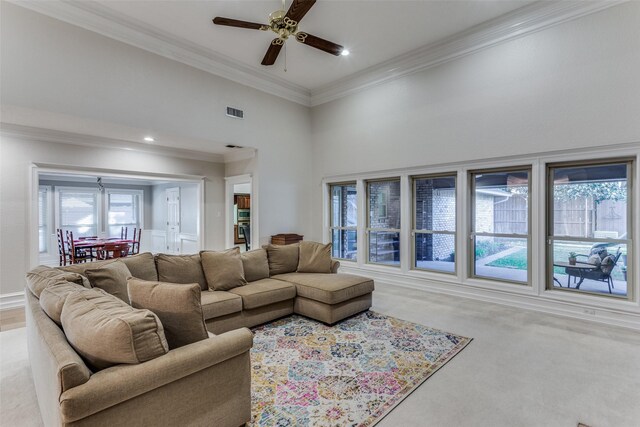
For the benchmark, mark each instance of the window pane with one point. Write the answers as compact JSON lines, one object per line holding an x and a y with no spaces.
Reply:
{"x":344,"y":244}
{"x":384,"y":247}
{"x":123,"y":209}
{"x":590,"y":201}
{"x":435,"y":251}
{"x":501,"y":202}
{"x":384,"y":204}
{"x":435,"y":203}
{"x":501,"y":258}
{"x":79,"y":212}
{"x":598,"y":267}
{"x":344,"y":209}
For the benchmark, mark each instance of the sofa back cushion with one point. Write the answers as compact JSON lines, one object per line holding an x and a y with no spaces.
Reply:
{"x":282,"y":258}
{"x":111,"y":278}
{"x":42,"y":277}
{"x":52,"y":298}
{"x":181,"y":269}
{"x":223,"y":270}
{"x":142,"y":266}
{"x":255,"y":265}
{"x":314,"y":257}
{"x":177,"y":306}
{"x":106,"y":331}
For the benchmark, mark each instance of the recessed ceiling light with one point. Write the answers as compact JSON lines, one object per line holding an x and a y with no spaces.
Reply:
{"x":345,"y":52}
{"x":149,"y":139}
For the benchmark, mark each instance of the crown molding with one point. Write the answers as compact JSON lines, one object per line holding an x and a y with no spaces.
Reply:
{"x":526,"y":20}
{"x":94,"y":17}
{"x":30,"y":133}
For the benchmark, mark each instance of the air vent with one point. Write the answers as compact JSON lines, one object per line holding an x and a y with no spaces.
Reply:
{"x":234,"y":112}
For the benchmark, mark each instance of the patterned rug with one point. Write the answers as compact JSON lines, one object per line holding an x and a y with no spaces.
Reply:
{"x":305,"y":373}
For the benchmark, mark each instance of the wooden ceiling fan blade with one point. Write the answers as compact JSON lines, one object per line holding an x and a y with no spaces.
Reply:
{"x":218,"y":20}
{"x":318,"y":43}
{"x":273,"y":51}
{"x":298,"y":9}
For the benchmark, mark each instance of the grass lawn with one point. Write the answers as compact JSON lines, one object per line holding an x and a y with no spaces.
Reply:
{"x":517,"y":260}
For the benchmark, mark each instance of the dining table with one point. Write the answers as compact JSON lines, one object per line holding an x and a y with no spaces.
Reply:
{"x":99,"y":243}
{"x":580,"y":267}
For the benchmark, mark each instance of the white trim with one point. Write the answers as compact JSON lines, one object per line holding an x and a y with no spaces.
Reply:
{"x":521,"y":22}
{"x":12,"y":300}
{"x":526,"y":20}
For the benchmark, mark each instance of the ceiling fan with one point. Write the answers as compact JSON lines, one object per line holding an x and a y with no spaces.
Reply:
{"x":285,"y":24}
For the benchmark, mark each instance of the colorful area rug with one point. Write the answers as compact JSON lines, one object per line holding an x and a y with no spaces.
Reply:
{"x":305,"y":373}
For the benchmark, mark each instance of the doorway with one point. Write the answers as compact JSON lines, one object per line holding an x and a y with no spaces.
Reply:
{"x":240,"y":223}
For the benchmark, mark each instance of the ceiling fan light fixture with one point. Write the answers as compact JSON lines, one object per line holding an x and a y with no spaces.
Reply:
{"x":345,"y":52}
{"x":149,"y":139}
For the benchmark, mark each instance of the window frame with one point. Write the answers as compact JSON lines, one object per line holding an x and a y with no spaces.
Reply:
{"x":415,"y":231}
{"x":49,"y":215}
{"x":332,"y":227}
{"x":549,"y":225}
{"x":471,"y":254}
{"x":368,"y":229}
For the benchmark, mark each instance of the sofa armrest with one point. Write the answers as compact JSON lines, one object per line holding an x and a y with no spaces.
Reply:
{"x":117,"y":384}
{"x":335,"y":265}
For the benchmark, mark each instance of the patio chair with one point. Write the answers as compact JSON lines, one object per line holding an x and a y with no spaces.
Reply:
{"x":600,"y":274}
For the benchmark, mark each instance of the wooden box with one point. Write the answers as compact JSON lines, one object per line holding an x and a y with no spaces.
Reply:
{"x":285,"y":238}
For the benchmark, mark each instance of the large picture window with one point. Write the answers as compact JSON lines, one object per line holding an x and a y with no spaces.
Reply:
{"x":344,"y":220}
{"x":123,"y":210}
{"x":383,"y":221}
{"x":434,"y":223}
{"x":500,"y":232}
{"x":588,"y":222}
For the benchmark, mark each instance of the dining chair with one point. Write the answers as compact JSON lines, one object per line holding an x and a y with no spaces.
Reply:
{"x":123,"y":233}
{"x":135,"y":244}
{"x":63,"y":252}
{"x":113,"y":250}
{"x":77,"y":255}
{"x":245,"y":229}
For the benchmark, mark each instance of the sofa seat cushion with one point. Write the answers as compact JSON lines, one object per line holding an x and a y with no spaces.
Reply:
{"x":42,"y":277}
{"x":264,"y":292}
{"x":219,"y":303}
{"x":106,"y":331}
{"x":328,"y":288}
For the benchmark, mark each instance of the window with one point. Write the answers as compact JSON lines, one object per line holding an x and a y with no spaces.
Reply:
{"x":79,"y":211}
{"x":43,"y":218}
{"x":500,"y":238}
{"x":434,"y":223}
{"x":123,"y":210}
{"x":383,"y":221}
{"x":589,"y":231}
{"x":344,"y":220}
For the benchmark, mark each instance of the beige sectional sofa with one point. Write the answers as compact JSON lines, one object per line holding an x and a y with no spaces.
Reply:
{"x":203,"y":383}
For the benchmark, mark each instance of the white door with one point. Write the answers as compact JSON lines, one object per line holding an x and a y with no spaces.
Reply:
{"x":173,"y":220}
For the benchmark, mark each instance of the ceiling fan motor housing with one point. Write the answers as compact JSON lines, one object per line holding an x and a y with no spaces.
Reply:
{"x":282,"y":25}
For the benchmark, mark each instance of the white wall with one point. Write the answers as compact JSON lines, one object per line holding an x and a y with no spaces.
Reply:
{"x":16,"y":156}
{"x":571,"y":86}
{"x":51,"y":66}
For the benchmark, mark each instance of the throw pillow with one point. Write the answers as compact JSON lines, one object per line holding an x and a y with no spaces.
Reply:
{"x":314,"y":258}
{"x":282,"y":258}
{"x":142,"y":266}
{"x":607,"y":264}
{"x":52,"y":298}
{"x":106,"y":331}
{"x":255,"y":265}
{"x":223,"y":270}
{"x":42,"y":277}
{"x":111,"y":278}
{"x":594,"y":259}
{"x":181,"y":269}
{"x":177,"y":306}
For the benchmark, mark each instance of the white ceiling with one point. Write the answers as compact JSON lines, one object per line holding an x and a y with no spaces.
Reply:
{"x":374,"y":31}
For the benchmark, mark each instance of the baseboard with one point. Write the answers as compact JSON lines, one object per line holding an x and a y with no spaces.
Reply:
{"x":12,"y":300}
{"x":606,"y":316}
